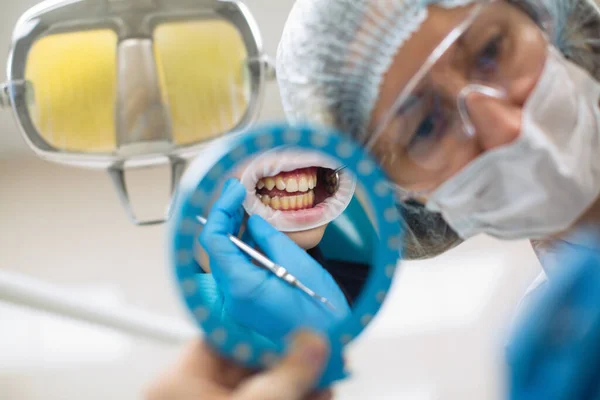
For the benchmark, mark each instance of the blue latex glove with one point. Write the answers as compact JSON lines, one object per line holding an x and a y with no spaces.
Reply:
{"x":253,"y":296}
{"x":555,"y":353}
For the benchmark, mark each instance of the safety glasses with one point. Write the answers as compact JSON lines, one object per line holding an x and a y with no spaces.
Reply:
{"x":430,"y":132}
{"x":117,"y":84}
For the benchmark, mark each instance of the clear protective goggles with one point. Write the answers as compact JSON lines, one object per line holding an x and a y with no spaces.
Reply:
{"x":462,"y":85}
{"x":116,"y":84}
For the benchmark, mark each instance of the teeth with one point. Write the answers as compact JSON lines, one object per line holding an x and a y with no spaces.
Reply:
{"x":291,"y":186}
{"x":289,"y":203}
{"x":280,"y":184}
{"x":269,"y":183}
{"x":275,"y":203}
{"x":303,"y":184}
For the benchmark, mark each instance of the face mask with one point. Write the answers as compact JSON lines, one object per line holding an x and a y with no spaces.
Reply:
{"x":544,"y":180}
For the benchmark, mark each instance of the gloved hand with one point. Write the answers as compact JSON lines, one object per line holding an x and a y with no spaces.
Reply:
{"x":555,"y":353}
{"x":253,"y":296}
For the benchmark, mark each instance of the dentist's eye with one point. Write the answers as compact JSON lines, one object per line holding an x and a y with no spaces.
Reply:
{"x":486,"y":60}
{"x":430,"y":127}
{"x":426,"y":128}
{"x":427,"y":131}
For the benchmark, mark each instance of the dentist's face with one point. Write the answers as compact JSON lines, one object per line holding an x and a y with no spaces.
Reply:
{"x":424,"y":143}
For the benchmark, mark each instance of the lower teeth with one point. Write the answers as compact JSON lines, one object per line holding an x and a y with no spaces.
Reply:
{"x":299,"y":202}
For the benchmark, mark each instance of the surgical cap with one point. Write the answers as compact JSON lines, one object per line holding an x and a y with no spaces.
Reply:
{"x":334,"y":54}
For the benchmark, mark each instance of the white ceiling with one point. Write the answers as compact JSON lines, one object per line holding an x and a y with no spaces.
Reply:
{"x":269,"y":14}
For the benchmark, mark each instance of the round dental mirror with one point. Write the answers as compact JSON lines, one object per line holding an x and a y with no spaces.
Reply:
{"x":314,"y":240}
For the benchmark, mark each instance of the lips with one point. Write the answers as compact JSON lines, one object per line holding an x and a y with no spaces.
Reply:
{"x":294,"y":189}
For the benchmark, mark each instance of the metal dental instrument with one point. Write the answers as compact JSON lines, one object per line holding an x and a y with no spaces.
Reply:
{"x":276,"y":269}
{"x":333,"y":179}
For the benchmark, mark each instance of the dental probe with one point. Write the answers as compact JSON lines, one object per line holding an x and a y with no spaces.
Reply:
{"x":333,"y":178}
{"x":276,"y":269}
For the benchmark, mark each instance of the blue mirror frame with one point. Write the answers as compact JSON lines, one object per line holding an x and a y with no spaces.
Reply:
{"x":194,"y":199}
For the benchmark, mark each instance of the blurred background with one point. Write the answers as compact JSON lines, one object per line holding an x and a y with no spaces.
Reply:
{"x":440,"y":335}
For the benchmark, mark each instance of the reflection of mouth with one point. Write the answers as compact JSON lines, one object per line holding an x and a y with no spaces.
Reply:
{"x":300,"y":189}
{"x":296,"y":190}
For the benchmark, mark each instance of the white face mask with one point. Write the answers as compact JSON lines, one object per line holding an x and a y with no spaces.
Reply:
{"x":544,"y":180}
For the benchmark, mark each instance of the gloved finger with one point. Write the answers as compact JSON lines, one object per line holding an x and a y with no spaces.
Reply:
{"x":238,"y":216}
{"x":226,"y":214}
{"x":231,"y":268}
{"x":221,"y":222}
{"x":295,"y":377}
{"x":281,"y":249}
{"x":248,"y":239}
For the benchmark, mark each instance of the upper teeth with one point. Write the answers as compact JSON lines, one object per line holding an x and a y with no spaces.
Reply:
{"x":300,"y":183}
{"x":269,"y":183}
